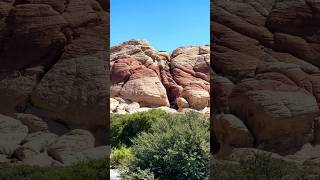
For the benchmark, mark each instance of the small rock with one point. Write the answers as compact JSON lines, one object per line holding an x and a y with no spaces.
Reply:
{"x":113,"y":104}
{"x":167,"y":109}
{"x":182,"y":103}
{"x":132,"y":107}
{"x":143,"y":109}
{"x":121,"y":106}
{"x":34,"y":123}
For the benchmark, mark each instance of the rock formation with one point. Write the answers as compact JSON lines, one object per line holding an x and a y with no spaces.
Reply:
{"x":140,"y":74}
{"x":266,"y":82}
{"x":54,"y":70}
{"x":53,"y":81}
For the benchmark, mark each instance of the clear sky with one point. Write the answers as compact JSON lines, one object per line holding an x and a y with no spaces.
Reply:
{"x":166,"y":24}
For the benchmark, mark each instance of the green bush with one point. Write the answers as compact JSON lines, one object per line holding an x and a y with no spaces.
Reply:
{"x":121,"y":156}
{"x":125,"y":127}
{"x":175,"y":147}
{"x":262,"y":167}
{"x":138,"y":174}
{"x":95,"y":170}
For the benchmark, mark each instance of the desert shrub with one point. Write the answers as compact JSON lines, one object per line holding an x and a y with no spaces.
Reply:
{"x":261,"y":167}
{"x":138,"y":174}
{"x":177,"y":147}
{"x":125,"y":127}
{"x":121,"y":156}
{"x":95,"y":170}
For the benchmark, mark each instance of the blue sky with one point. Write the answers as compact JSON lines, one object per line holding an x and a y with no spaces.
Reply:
{"x":166,"y":24}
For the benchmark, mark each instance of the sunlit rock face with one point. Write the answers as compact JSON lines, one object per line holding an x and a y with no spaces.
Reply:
{"x":141,"y":74}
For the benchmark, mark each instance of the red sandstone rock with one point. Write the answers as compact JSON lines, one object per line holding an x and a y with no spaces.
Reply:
{"x":265,"y":56}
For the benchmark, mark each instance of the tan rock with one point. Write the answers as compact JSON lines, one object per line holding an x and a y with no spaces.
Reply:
{"x":66,"y":147}
{"x":15,"y":90}
{"x":132,"y":107}
{"x":147,"y":90}
{"x":182,"y":103}
{"x":239,"y":154}
{"x":39,"y":141}
{"x":33,"y":122}
{"x":74,"y":91}
{"x":12,"y":132}
{"x":198,"y":99}
{"x":27,"y":20}
{"x":42,"y":160}
{"x":231,"y":131}
{"x":167,"y":109}
{"x":276,"y":115}
{"x":142,"y":109}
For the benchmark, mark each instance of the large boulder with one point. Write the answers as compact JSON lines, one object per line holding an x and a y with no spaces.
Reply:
{"x":35,"y":33}
{"x":15,"y":90}
{"x":279,"y":120}
{"x":33,"y":122}
{"x":267,"y":70}
{"x":67,"y":147}
{"x":231,"y":131}
{"x":191,"y":70}
{"x":74,"y":91}
{"x":145,"y":90}
{"x":35,"y":146}
{"x":12,"y":132}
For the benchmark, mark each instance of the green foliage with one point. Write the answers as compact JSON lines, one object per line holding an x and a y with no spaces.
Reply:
{"x":261,"y":167}
{"x":95,"y":170}
{"x":125,"y":127}
{"x":121,"y":156}
{"x":175,"y":147}
{"x":138,"y":174}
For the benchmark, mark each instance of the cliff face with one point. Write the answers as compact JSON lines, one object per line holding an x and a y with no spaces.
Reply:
{"x":53,"y":73}
{"x":266,"y":62}
{"x":141,"y":74}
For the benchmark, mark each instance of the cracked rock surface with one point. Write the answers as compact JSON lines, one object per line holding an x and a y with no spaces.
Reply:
{"x":266,"y":74}
{"x":53,"y":81}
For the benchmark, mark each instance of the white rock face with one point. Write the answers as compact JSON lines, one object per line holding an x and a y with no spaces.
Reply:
{"x":113,"y":104}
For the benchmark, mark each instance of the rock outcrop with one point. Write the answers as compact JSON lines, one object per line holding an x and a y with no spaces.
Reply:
{"x":266,"y":73}
{"x":140,"y":74}
{"x":53,"y":81}
{"x":54,"y":86}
